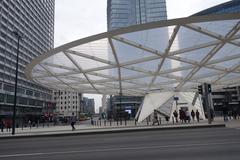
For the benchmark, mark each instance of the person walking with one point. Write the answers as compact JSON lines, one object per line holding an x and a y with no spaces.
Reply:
{"x":175,"y":114}
{"x":193,"y":115}
{"x":8,"y":125}
{"x":1,"y":125}
{"x":182,"y":115}
{"x":188,"y":118}
{"x":197,"y":115}
{"x":211,"y":114}
{"x":73,"y":121}
{"x":155,"y":118}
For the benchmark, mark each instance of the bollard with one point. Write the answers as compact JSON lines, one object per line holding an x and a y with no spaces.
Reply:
{"x":105,"y":122}
{"x":120,"y":121}
{"x":135,"y":122}
{"x":110,"y":122}
{"x":147,"y":122}
{"x":160,"y":120}
{"x":125,"y":122}
{"x":173,"y":120}
{"x":100,"y":123}
{"x":117,"y":122}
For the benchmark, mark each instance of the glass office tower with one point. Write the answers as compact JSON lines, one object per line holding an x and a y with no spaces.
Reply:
{"x":123,"y":13}
{"x":34,"y":21}
{"x":228,"y":7}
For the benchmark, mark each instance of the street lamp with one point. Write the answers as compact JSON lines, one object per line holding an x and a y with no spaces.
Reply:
{"x":16,"y":81}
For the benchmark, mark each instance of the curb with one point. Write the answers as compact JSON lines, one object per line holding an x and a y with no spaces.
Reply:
{"x":110,"y":131}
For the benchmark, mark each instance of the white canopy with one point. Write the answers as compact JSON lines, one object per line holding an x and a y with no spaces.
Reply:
{"x":173,"y":55}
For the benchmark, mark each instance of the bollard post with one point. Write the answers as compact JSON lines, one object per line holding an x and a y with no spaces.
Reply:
{"x":105,"y":122}
{"x":110,"y":122}
{"x":147,"y":121}
{"x":100,"y":122}
{"x":117,"y":121}
{"x":125,"y":121}
{"x":135,"y":122}
{"x":173,"y":120}
{"x":160,"y":120}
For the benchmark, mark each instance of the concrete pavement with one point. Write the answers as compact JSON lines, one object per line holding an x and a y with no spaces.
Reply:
{"x":86,"y":128}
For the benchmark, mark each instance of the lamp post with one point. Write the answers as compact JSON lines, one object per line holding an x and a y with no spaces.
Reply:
{"x":16,"y":81}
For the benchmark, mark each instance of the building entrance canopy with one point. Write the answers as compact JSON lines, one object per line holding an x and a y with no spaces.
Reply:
{"x":173,"y":55}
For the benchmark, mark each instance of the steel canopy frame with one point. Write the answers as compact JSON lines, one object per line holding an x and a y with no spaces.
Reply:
{"x":134,"y":79}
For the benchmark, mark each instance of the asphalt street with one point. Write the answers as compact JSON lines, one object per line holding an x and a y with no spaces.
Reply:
{"x":180,"y":144}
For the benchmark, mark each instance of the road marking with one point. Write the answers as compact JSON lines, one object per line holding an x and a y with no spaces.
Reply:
{"x":114,"y":149}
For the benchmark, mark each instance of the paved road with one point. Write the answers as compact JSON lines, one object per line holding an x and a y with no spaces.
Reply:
{"x":188,"y":144}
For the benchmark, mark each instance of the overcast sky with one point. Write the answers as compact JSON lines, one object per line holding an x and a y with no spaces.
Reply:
{"x":75,"y":19}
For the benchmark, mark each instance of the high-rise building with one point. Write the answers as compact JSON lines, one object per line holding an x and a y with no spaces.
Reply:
{"x":123,"y":13}
{"x":227,"y":7}
{"x":88,"y":106}
{"x":34,"y":21}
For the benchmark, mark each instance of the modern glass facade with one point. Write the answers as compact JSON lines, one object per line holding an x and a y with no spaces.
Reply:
{"x":34,"y":21}
{"x":228,"y":7}
{"x":123,"y":13}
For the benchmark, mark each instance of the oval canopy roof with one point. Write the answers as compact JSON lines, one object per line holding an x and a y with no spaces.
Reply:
{"x":173,"y":55}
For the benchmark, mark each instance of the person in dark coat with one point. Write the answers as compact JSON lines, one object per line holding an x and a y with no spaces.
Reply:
{"x":193,"y":115}
{"x":175,"y":114}
{"x":1,"y":125}
{"x":197,"y":115}
{"x":155,"y":118}
{"x":182,"y":115}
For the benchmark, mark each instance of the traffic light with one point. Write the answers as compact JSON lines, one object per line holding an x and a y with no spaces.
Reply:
{"x":200,"y":89}
{"x":209,"y":88}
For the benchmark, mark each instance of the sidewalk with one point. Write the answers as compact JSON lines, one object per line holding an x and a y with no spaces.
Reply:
{"x":84,"y":128}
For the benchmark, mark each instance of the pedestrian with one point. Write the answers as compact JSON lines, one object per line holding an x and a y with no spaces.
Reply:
{"x":73,"y":121}
{"x":197,"y":115}
{"x":1,"y":125}
{"x":211,"y":114}
{"x":188,"y":118}
{"x":175,"y":114}
{"x":8,"y":125}
{"x":225,"y":111}
{"x":181,"y":113}
{"x":155,"y":118}
{"x":193,"y":115}
{"x":30,"y":124}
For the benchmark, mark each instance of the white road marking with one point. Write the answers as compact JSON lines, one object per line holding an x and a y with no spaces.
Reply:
{"x":115,"y":149}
